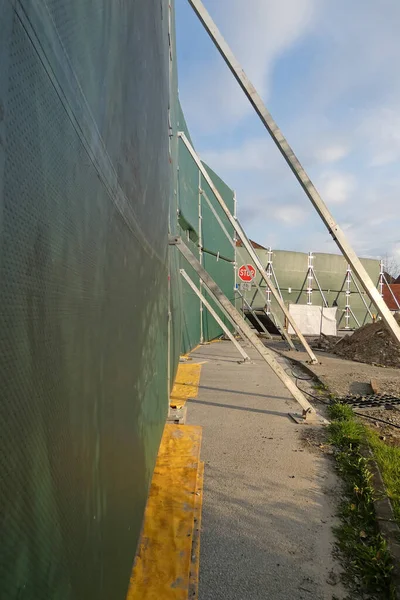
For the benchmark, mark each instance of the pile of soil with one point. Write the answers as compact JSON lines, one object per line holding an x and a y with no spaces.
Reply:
{"x":371,"y":344}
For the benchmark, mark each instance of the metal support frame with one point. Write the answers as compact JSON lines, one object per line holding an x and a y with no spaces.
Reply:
{"x":381,"y":274}
{"x":214,"y":314}
{"x":311,"y":276}
{"x":348,"y":310}
{"x":272,"y":276}
{"x":295,"y":166}
{"x":382,"y":281}
{"x":242,"y":258}
{"x":361,"y":296}
{"x":265,"y":330}
{"x":348,"y":294}
{"x":269,"y":269}
{"x":266,"y":354}
{"x":247,"y":244}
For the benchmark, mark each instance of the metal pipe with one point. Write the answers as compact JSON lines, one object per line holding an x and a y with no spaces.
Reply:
{"x":362,"y":297}
{"x":267,"y":333}
{"x":200,"y":215}
{"x":391,"y":291}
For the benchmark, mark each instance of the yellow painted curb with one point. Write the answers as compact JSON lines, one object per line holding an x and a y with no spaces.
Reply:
{"x":195,"y":554}
{"x":163,"y":563}
{"x":186,"y":384}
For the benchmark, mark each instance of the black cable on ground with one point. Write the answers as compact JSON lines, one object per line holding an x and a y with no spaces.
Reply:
{"x":297,"y":376}
{"x":377,"y":419}
{"x":312,"y":395}
{"x":309,"y":378}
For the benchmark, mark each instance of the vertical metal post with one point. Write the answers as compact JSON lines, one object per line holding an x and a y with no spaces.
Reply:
{"x":310,"y":278}
{"x":269,"y":273}
{"x":201,"y":258}
{"x":295,"y":166}
{"x":322,"y":321}
{"x":381,"y":275}
{"x":169,"y":315}
{"x":348,"y":292}
{"x":269,"y":268}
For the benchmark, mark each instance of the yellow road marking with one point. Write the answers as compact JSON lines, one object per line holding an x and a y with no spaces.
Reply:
{"x":163,"y":562}
{"x":195,"y":553}
{"x":186,"y":384}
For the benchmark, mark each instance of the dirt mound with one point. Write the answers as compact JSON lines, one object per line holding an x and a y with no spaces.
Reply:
{"x":371,"y":344}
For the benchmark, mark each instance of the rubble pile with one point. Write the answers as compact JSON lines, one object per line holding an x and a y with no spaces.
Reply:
{"x":371,"y":344}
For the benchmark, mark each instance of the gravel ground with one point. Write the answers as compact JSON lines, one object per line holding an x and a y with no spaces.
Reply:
{"x":344,"y":377}
{"x":391,"y":435}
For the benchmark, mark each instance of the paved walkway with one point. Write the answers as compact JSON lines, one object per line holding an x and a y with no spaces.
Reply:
{"x":268,"y":501}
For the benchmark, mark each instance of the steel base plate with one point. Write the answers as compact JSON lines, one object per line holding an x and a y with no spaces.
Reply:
{"x":309,"y":419}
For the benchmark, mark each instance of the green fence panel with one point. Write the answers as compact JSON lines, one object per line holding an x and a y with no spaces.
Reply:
{"x":84,"y":202}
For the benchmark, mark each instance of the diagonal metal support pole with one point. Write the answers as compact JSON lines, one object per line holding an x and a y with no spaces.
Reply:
{"x":265,"y":330}
{"x":247,"y":244}
{"x":214,"y":314}
{"x":295,"y":166}
{"x":391,"y":291}
{"x":266,"y":354}
{"x":284,"y":333}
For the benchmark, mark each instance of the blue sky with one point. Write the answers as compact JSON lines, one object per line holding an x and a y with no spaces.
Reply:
{"x":329,"y":72}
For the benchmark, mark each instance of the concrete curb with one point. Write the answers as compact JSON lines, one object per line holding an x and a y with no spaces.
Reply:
{"x":387,"y":523}
{"x":386,"y":520}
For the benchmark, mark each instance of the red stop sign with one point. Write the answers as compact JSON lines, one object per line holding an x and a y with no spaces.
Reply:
{"x":244,"y":274}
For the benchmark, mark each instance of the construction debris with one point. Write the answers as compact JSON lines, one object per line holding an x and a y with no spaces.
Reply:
{"x":325,"y":343}
{"x":371,"y":344}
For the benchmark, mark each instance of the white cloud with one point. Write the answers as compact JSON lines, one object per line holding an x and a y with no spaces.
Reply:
{"x":254,"y":154}
{"x":360,"y":51}
{"x":290,"y":214}
{"x":258,"y":31}
{"x":333,"y":153}
{"x":336,"y":188}
{"x":338,"y":99}
{"x":246,"y":157}
{"x":380,"y":129}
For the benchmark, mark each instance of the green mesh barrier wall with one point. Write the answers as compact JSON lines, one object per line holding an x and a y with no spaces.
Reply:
{"x":93,"y":312}
{"x":191,"y":328}
{"x":175,"y":283}
{"x":84,"y":200}
{"x":218,"y":254}
{"x":291,"y":270}
{"x":221,"y":272}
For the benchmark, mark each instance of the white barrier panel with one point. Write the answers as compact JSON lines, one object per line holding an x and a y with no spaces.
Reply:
{"x":313,"y":320}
